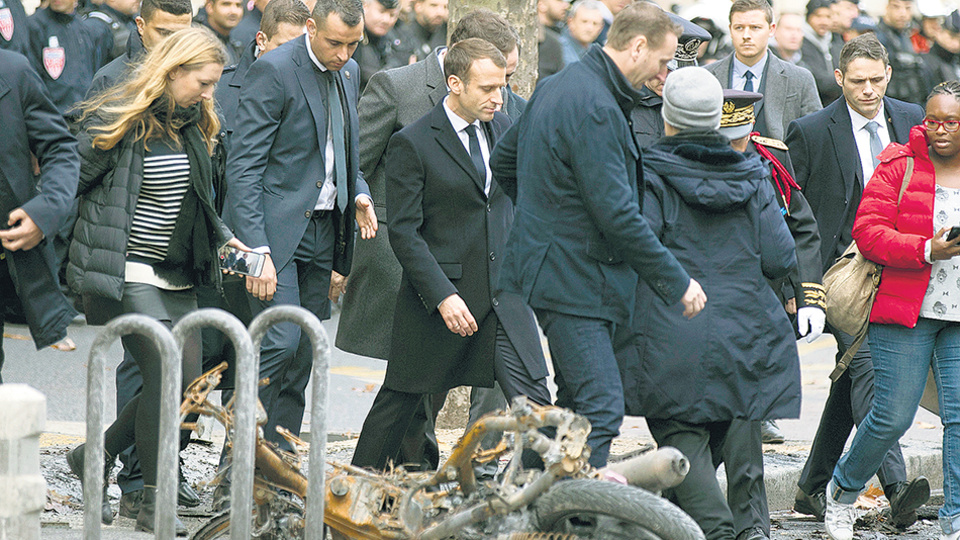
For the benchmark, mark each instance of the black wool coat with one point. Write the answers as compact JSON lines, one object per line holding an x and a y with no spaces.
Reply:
{"x":449,"y":238}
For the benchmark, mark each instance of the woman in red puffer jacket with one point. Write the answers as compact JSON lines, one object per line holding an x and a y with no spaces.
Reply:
{"x":915,"y":322}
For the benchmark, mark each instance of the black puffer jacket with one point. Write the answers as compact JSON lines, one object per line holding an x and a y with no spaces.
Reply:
{"x":109,"y":188}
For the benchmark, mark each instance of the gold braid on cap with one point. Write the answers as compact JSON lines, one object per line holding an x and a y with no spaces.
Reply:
{"x":733,"y":117}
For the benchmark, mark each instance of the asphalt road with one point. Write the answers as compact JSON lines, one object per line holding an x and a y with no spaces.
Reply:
{"x":354,"y":381}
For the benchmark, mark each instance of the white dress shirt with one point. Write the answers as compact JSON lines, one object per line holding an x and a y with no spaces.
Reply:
{"x":460,"y":125}
{"x":739,"y":69}
{"x":862,"y":136}
{"x":328,"y":193}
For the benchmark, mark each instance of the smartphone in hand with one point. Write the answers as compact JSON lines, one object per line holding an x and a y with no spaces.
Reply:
{"x":954,"y":232}
{"x":247,"y":263}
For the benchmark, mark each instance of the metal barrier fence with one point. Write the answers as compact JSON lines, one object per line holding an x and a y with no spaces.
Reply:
{"x":93,"y":453}
{"x":170,"y":346}
{"x":243,"y":438}
{"x":318,"y":408}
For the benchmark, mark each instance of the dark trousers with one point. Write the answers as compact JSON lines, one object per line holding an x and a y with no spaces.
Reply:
{"x":699,"y":494}
{"x":393,"y":411}
{"x":848,"y":403}
{"x":587,"y":376}
{"x":137,"y":420}
{"x":742,"y":455}
{"x":286,"y":355}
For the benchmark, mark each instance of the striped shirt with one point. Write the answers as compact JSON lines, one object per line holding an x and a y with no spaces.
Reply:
{"x":166,"y":178}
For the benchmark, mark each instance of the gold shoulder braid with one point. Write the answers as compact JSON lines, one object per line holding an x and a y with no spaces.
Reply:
{"x":772,"y":143}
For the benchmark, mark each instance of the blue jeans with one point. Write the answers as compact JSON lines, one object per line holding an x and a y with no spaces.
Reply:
{"x":587,"y":376}
{"x":901,"y":359}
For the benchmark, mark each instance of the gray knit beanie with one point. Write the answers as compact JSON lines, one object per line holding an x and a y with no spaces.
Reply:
{"x":692,"y":99}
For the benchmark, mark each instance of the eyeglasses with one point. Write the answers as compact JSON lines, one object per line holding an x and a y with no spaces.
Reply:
{"x":951,"y":126}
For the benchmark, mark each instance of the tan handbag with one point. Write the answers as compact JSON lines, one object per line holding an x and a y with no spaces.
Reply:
{"x":851,"y":286}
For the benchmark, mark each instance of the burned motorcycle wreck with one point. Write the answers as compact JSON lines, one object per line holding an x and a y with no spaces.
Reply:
{"x":566,"y":499}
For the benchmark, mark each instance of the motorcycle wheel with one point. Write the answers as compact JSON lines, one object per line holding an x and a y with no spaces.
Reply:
{"x":604,"y":510}
{"x":217,"y":527}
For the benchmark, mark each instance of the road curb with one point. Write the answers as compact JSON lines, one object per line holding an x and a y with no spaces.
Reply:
{"x":782,"y":471}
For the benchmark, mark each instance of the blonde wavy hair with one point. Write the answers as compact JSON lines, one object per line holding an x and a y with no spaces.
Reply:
{"x":129,"y":105}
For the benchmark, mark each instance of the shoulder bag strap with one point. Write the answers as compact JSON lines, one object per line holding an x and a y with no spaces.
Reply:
{"x":862,"y":334}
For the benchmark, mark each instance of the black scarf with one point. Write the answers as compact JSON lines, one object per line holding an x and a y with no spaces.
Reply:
{"x":192,"y":254}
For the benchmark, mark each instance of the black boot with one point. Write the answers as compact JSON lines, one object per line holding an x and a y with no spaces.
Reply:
{"x":186,"y":495}
{"x":148,"y":511}
{"x":75,"y":462}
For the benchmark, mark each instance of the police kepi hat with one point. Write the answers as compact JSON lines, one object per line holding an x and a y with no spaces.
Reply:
{"x":688,"y":44}
{"x":737,"y":118}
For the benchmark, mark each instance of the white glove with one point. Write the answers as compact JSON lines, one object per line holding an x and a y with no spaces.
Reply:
{"x":810,"y":321}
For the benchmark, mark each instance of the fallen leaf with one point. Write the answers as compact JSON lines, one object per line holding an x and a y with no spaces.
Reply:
{"x":21,"y":337}
{"x":870,"y":498}
{"x":65,"y":345}
{"x":926,"y":425}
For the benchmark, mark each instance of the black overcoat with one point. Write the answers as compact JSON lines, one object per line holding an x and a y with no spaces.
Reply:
{"x":32,"y":124}
{"x":449,"y":239}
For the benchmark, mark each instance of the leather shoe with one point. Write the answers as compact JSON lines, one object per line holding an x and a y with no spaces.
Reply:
{"x":905,"y":498}
{"x":811,"y":505}
{"x":130,"y":504}
{"x":75,"y":462}
{"x":753,"y":533}
{"x":770,"y":433}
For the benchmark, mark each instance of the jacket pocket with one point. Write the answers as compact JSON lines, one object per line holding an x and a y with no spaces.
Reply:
{"x":452,"y":270}
{"x":599,"y":251}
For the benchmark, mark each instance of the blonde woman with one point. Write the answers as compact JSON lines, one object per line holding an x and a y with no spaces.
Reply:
{"x":147,"y":233}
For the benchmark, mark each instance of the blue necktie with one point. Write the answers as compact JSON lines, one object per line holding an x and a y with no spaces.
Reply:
{"x":339,"y":141}
{"x":475,"y":155}
{"x":748,"y":86}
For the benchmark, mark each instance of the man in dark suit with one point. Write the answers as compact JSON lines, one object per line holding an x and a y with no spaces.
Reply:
{"x":31,"y":209}
{"x":393,"y":100}
{"x":294,"y":187}
{"x":579,"y":240}
{"x":789,"y":92}
{"x":449,"y":221}
{"x":834,"y":154}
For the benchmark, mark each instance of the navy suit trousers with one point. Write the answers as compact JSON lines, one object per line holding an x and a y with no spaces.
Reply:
{"x":286,"y":355}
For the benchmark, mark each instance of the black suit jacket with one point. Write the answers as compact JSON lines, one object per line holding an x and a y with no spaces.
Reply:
{"x":449,"y":238}
{"x":827,"y":166}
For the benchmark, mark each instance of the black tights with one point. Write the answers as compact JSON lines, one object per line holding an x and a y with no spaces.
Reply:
{"x":139,"y":421}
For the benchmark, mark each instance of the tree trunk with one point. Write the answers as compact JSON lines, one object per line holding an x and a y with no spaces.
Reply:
{"x":522,"y":14}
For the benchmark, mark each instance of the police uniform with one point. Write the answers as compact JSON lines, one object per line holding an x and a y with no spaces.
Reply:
{"x":743,"y":451}
{"x":377,"y":53}
{"x":66,"y":52}
{"x":231,"y":44}
{"x":14,"y":35}
{"x":120,"y":26}
{"x":645,"y":118}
